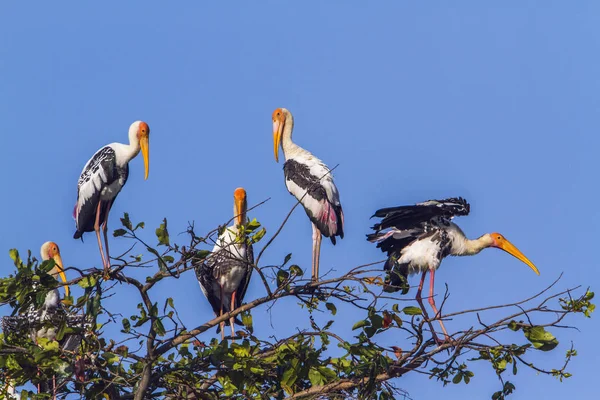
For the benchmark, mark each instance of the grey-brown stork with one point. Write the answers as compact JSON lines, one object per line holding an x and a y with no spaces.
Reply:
{"x":310,"y":181}
{"x":418,"y":237}
{"x":225,"y":275}
{"x":101,"y":180}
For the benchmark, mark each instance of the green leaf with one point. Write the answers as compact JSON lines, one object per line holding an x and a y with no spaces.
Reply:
{"x":282,"y":276}
{"x":14,"y":254}
{"x":252,"y":225}
{"x":258,"y":235}
{"x":360,"y":324}
{"x":331,"y":307}
{"x":296,"y":270}
{"x":119,"y":232}
{"x":412,"y":310}
{"x":540,"y":338}
{"x":126,"y":222}
{"x":126,"y":325}
{"x":315,"y":377}
{"x":140,"y":225}
{"x":247,"y":321}
{"x":457,"y":378}
{"x":512,"y":325}
{"x":87,"y":281}
{"x":159,"y":328}
{"x":162,"y":234}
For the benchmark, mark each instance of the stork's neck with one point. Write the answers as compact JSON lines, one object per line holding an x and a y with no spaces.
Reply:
{"x":470,"y":247}
{"x":126,"y":152}
{"x":290,"y":149}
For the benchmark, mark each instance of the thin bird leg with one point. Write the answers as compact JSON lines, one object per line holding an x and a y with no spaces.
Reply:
{"x":54,"y":387}
{"x":314,"y":252}
{"x":420,"y":301}
{"x":222,"y":324}
{"x":231,"y":319}
{"x":318,"y":254}
{"x":432,"y":303}
{"x":97,"y":229}
{"x":105,"y":230}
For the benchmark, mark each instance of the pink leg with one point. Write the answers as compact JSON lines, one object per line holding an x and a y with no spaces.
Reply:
{"x":105,"y":230}
{"x":221,"y":314}
{"x":317,"y":255}
{"x":231,"y":319}
{"x":314,"y":272}
{"x":420,"y":301}
{"x":97,"y":229}
{"x":432,"y":303}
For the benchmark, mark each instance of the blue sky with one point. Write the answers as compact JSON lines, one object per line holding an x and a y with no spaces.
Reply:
{"x":496,"y":103}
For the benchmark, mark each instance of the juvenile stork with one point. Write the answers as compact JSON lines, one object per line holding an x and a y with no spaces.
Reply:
{"x":417,"y":238}
{"x":311,"y":182}
{"x":225,"y":275}
{"x":101,"y":180}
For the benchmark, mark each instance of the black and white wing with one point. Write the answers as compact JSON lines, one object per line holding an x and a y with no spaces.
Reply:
{"x":431,"y":211}
{"x":249,"y":261}
{"x":403,"y":225}
{"x":311,"y":182}
{"x":99,"y":172}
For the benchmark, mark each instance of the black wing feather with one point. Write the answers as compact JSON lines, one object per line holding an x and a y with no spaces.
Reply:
{"x":406,"y":217}
{"x":90,"y":186}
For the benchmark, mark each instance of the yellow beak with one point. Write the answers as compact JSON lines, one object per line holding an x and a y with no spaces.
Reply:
{"x":512,"y":250}
{"x":277,"y":131}
{"x":145,"y":152}
{"x":59,"y":269}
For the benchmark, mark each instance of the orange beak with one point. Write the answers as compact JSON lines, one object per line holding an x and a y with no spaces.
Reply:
{"x":277,"y":132}
{"x":59,"y":269}
{"x":240,"y":204}
{"x":512,"y":250}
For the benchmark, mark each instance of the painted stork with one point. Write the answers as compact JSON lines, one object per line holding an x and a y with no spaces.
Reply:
{"x":101,"y":180}
{"x":225,"y":275}
{"x":311,"y":182}
{"x":52,"y":303}
{"x":417,"y":238}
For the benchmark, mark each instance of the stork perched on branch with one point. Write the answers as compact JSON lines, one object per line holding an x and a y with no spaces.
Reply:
{"x":101,"y":180}
{"x":417,"y":238}
{"x":225,"y":275}
{"x":311,"y":182}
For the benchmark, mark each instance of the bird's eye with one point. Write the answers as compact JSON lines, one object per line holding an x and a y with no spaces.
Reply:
{"x":499,"y":237}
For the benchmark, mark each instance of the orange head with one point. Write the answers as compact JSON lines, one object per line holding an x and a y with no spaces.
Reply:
{"x":50,"y":251}
{"x":500,"y":242}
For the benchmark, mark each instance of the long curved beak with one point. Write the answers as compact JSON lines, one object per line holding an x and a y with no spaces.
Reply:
{"x":277,"y":131}
{"x":513,"y":251}
{"x":145,"y":153}
{"x":240,"y":209}
{"x":58,"y":265}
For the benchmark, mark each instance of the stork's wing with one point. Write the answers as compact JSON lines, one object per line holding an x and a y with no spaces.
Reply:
{"x":99,"y":171}
{"x":204,"y":274}
{"x":241,"y":291}
{"x":407,"y":217}
{"x":311,"y":183}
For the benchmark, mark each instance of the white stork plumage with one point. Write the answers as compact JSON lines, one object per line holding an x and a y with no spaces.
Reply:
{"x":225,"y":275}
{"x":101,"y":180}
{"x":311,"y":182}
{"x":417,"y":238}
